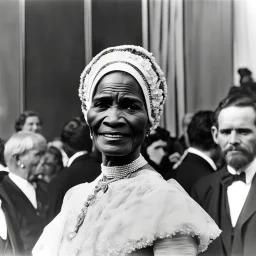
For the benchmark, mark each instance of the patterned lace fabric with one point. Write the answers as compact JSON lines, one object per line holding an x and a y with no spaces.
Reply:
{"x":131,"y":215}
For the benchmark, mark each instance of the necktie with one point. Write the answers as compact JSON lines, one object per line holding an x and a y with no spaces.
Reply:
{"x":229,"y":178}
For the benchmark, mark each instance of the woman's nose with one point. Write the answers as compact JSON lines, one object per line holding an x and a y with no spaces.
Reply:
{"x":36,"y":127}
{"x":114,"y":117}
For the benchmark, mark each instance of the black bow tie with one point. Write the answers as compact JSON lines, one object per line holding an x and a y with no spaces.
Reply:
{"x":229,"y":178}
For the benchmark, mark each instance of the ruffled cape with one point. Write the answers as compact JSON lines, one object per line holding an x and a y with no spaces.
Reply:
{"x":132,"y":214}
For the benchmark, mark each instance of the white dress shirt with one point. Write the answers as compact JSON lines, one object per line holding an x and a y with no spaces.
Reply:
{"x":3,"y":168}
{"x":26,"y":187}
{"x":238,"y":190}
{"x":3,"y":225}
{"x":76,"y":155}
{"x":204,"y":156}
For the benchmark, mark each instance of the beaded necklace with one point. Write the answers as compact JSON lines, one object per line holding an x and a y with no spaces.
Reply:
{"x":113,"y":173}
{"x":119,"y":172}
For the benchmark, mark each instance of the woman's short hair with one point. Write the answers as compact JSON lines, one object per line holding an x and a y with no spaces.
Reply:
{"x":22,"y":119}
{"x":20,"y":143}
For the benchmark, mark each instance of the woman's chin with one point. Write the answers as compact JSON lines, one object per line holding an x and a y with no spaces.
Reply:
{"x":115,"y":150}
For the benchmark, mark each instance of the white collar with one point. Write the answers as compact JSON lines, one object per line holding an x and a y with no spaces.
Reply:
{"x":3,"y":225}
{"x":26,"y":187}
{"x":249,"y":169}
{"x":3,"y":168}
{"x":204,"y":156}
{"x":76,"y":155}
{"x":17,"y":179}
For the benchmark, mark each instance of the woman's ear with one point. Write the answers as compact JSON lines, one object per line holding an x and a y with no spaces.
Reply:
{"x":90,"y":132}
{"x":18,"y":162}
{"x":148,"y":129}
{"x":16,"y":158}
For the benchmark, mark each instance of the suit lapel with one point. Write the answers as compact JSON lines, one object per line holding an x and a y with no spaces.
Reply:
{"x":248,"y":210}
{"x":12,"y":225}
{"x":216,"y":206}
{"x":225,"y":220}
{"x":16,"y":193}
{"x":249,"y":207}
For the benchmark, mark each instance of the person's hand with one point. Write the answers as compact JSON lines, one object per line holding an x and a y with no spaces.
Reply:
{"x":173,"y":158}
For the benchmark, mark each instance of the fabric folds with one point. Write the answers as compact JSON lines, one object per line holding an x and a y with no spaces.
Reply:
{"x":132,"y":214}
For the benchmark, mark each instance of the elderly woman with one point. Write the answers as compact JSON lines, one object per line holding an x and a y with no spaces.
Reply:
{"x":27,"y":204}
{"x":129,"y":209}
{"x":29,"y":121}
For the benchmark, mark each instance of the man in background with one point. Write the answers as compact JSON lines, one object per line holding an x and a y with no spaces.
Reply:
{"x":82,"y":166}
{"x":229,"y":195}
{"x":24,"y":206}
{"x":198,"y":160}
{"x":10,"y":241}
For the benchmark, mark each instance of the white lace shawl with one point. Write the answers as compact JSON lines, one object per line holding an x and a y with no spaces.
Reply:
{"x":132,"y":214}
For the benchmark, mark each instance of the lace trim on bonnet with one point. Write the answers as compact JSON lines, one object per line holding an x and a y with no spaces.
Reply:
{"x":134,"y":60}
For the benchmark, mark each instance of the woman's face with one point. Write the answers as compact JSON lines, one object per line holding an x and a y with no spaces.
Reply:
{"x":118,"y":117}
{"x":32,"y":124}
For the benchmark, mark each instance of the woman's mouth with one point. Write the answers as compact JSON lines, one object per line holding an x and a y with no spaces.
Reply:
{"x":113,"y":135}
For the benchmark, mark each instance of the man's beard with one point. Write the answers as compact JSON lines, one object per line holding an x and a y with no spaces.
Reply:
{"x":238,"y":159}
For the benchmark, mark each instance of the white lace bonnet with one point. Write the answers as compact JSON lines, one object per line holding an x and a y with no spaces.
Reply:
{"x":135,"y":61}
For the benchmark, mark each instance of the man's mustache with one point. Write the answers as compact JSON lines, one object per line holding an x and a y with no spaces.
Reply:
{"x":235,"y":148}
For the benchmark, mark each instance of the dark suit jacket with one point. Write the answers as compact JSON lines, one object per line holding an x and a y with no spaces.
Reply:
{"x":209,"y":192}
{"x":2,"y":175}
{"x":84,"y":169}
{"x":14,"y":245}
{"x":192,"y":168}
{"x":24,"y":222}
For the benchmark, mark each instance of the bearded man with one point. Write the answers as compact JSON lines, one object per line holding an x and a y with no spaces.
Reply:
{"x":229,"y":195}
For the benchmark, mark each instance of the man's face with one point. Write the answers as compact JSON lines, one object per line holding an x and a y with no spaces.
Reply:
{"x":236,"y":135}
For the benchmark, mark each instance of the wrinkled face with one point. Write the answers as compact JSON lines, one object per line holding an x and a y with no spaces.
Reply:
{"x":32,"y":124}
{"x":236,"y":135}
{"x":31,"y":159}
{"x":157,"y":150}
{"x":118,"y":117}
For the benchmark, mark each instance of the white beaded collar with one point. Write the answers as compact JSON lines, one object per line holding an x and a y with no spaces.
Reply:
{"x":120,"y":172}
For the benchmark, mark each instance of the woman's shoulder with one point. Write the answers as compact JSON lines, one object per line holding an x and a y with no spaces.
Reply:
{"x":166,"y":209}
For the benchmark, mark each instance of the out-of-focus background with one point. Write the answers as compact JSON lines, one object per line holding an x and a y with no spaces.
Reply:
{"x":45,"y":45}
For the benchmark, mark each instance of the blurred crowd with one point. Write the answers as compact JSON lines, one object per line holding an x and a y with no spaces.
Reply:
{"x":35,"y":174}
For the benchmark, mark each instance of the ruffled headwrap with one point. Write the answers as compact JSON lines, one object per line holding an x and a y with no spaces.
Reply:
{"x":135,"y":61}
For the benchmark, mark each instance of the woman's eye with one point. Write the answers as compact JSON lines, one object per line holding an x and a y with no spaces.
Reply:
{"x":132,"y":107}
{"x":100,"y":104}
